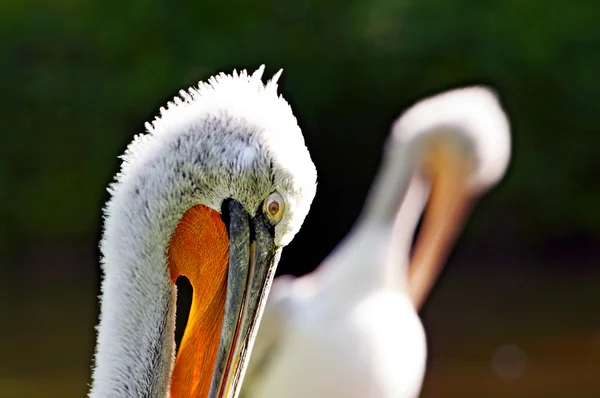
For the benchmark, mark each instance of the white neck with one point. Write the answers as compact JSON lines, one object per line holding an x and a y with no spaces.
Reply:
{"x":360,"y":262}
{"x":391,"y":185}
{"x":406,"y":221}
{"x":135,"y":349}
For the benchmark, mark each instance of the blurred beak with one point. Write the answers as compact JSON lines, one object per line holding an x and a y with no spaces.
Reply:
{"x":253,"y":258}
{"x":446,"y":211}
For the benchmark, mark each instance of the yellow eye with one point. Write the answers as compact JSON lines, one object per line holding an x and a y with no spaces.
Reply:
{"x":273,"y":207}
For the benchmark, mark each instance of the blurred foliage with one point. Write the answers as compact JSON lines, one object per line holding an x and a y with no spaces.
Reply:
{"x":78,"y":79}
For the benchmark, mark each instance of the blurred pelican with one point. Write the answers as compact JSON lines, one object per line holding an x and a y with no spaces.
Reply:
{"x":219,"y":184}
{"x":350,"y":328}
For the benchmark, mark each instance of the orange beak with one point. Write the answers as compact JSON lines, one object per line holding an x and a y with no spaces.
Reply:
{"x":446,"y":211}
{"x":230,"y":267}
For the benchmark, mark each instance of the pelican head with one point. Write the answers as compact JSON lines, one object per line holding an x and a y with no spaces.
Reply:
{"x":221,"y":181}
{"x":459,"y":142}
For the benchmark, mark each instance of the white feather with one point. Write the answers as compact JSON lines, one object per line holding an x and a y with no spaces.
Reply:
{"x":232,"y":137}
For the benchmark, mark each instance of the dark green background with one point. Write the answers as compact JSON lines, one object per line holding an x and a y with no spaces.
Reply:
{"x":78,"y":79}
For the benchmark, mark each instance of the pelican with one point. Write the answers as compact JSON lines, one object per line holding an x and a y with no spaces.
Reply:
{"x":221,"y":181}
{"x":350,"y":329}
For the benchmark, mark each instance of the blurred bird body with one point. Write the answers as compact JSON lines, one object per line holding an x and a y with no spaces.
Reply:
{"x":338,"y":338}
{"x":221,"y":182}
{"x":351,"y":329}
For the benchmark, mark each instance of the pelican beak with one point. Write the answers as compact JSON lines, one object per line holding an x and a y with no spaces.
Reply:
{"x":448,"y":206}
{"x":253,"y":258}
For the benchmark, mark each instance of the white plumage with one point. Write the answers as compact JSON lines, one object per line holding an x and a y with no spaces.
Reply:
{"x":350,"y":329}
{"x":230,"y":138}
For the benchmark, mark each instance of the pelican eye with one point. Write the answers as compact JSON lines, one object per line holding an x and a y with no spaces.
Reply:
{"x":273,"y":207}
